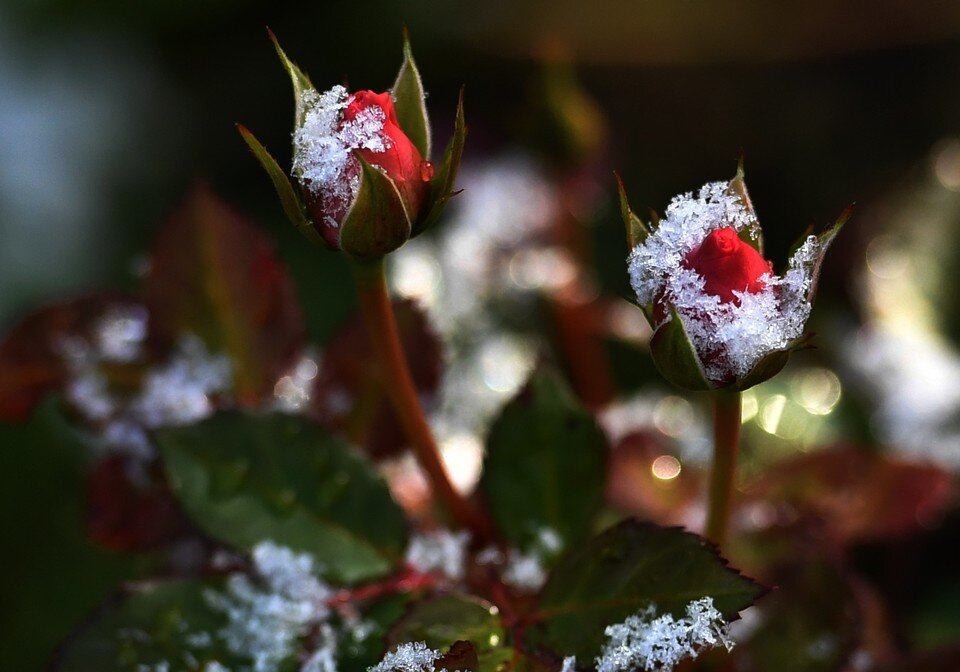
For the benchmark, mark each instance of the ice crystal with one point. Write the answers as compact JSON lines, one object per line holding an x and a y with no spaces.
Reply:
{"x":729,"y":338}
{"x":411,"y":657}
{"x":266,"y":618}
{"x":654,"y":643}
{"x":120,"y":332}
{"x":439,"y":551}
{"x":569,"y":664}
{"x":323,"y":146}
{"x":180,"y":391}
{"x":526,"y":571}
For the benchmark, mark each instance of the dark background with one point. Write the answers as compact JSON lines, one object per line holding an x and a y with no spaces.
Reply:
{"x":110,"y":110}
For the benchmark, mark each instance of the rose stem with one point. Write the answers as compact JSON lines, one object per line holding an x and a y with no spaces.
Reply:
{"x":398,"y":384}
{"x":726,"y":446}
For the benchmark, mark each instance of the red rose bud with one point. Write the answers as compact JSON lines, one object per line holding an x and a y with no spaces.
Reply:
{"x":727,"y":265}
{"x":400,"y":159}
{"x":360,"y":159}
{"x":721,"y":317}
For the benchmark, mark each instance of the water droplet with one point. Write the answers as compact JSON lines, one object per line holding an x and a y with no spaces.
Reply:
{"x":426,"y":171}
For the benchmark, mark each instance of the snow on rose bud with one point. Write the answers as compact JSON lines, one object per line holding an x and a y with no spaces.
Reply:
{"x":721,"y":317}
{"x":361,"y":162}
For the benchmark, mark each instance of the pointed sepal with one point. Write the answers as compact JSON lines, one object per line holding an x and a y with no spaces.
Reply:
{"x":377,"y":222}
{"x":293,"y":207}
{"x":409,"y":100}
{"x":675,"y":356}
{"x":445,"y":177}
{"x":637,"y":230}
{"x":752,"y":235}
{"x":824,"y":238}
{"x":299,"y":80}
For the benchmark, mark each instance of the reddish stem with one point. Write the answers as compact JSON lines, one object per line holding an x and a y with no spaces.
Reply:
{"x":726,"y":447}
{"x":405,"y":582}
{"x":398,"y":384}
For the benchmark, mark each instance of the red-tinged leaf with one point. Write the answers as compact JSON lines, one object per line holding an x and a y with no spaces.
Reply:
{"x":216,"y":275}
{"x":31,"y":364}
{"x":348,"y":396}
{"x":130,"y":507}
{"x":856,"y":493}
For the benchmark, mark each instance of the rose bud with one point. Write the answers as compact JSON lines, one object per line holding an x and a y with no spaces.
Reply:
{"x":361,"y":161}
{"x":721,"y":317}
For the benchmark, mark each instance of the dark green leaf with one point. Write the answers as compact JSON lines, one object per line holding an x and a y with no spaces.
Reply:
{"x":358,"y":655}
{"x":675,"y":357}
{"x":293,"y":207}
{"x":623,"y":570}
{"x":408,"y":98}
{"x":545,"y":465}
{"x":443,"y":620}
{"x":249,"y":478}
{"x":151,"y":624}
{"x":445,"y":179}
{"x":377,"y":222}
{"x":637,"y":230}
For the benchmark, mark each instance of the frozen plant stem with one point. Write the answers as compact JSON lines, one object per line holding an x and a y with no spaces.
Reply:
{"x":377,"y":310}
{"x":726,"y":446}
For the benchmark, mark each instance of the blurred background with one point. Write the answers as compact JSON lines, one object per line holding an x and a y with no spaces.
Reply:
{"x":111,"y":110}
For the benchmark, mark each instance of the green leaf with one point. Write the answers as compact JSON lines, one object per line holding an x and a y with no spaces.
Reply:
{"x":675,"y":357}
{"x":637,"y":230}
{"x":409,"y":102}
{"x":150,"y":624}
{"x":214,"y":274}
{"x":377,"y":222}
{"x":355,"y":655}
{"x":248,"y":478}
{"x":293,"y":207}
{"x":545,"y":465}
{"x":623,"y":570}
{"x":445,"y":178}
{"x":443,"y":620}
{"x":299,"y":80}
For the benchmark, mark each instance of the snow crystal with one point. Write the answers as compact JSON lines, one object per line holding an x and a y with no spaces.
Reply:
{"x":569,"y":664}
{"x":180,"y":392}
{"x":729,"y":338}
{"x":267,"y":618}
{"x":120,"y":332}
{"x":654,"y":643}
{"x":524,"y":570}
{"x":439,"y":551}
{"x":412,"y":657}
{"x":323,"y":146}
{"x":214,"y":666}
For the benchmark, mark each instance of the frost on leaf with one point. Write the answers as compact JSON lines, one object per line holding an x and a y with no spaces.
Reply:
{"x":411,"y":657}
{"x":323,"y":147}
{"x":439,"y":551}
{"x":654,"y":643}
{"x":267,"y":617}
{"x":730,"y":338}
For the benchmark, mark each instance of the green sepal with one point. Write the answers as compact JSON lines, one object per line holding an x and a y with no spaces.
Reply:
{"x":637,"y":230}
{"x":824,"y":239}
{"x":377,"y":222}
{"x":293,"y":207}
{"x":409,"y":102}
{"x":445,"y":178}
{"x":299,"y":80}
{"x":675,"y":356}
{"x":752,"y":236}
